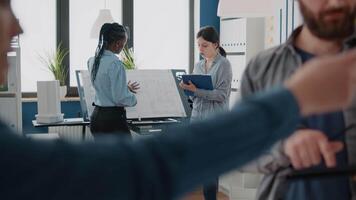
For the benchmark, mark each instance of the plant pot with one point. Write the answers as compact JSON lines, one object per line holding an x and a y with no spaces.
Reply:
{"x":62,"y":91}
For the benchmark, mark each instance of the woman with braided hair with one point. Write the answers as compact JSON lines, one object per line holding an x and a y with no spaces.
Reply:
{"x":112,"y":92}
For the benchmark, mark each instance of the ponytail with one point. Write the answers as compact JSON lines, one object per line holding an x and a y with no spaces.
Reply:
{"x":99,"y":50}
{"x":222,"y":51}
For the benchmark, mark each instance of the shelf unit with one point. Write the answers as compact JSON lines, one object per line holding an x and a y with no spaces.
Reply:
{"x":10,"y":94}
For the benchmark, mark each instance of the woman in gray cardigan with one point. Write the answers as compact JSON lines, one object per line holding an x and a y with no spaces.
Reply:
{"x":209,"y":102}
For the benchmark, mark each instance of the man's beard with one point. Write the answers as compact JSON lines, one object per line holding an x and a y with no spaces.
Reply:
{"x":332,"y":30}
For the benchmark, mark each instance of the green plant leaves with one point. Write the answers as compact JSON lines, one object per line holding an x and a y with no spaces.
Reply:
{"x":54,"y":62}
{"x":128,"y":58}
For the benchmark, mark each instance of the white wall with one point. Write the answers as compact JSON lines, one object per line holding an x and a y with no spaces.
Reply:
{"x":161,"y":32}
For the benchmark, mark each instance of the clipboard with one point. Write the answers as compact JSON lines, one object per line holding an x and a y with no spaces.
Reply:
{"x":201,"y":81}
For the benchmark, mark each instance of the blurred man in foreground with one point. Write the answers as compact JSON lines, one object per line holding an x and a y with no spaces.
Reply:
{"x":167,"y":166}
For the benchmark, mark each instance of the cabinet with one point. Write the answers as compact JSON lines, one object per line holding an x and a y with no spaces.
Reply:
{"x":242,"y":38}
{"x":10,"y":94}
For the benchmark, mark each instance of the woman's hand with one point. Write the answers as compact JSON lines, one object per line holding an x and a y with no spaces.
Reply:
{"x":190,"y":86}
{"x":133,"y":87}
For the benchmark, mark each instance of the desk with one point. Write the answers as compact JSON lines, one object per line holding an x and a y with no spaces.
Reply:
{"x":140,"y":127}
{"x":66,"y":122}
{"x":153,"y":126}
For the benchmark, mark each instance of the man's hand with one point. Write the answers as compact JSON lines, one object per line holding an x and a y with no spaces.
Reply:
{"x":133,"y":87}
{"x":190,"y":86}
{"x":307,"y":147}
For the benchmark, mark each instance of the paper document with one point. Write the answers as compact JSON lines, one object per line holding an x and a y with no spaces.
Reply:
{"x":158,"y":96}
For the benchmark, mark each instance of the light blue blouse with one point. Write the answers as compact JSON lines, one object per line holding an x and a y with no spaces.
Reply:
{"x":110,"y":83}
{"x":208,"y":102}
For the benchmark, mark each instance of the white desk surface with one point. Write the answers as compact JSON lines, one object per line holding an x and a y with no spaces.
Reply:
{"x":65,"y":122}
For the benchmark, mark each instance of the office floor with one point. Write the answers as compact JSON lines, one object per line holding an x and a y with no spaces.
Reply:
{"x":198,"y":195}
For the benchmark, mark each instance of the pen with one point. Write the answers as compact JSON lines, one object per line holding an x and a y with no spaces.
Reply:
{"x":341,"y":133}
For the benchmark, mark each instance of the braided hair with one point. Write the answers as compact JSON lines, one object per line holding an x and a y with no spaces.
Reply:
{"x":109,"y":33}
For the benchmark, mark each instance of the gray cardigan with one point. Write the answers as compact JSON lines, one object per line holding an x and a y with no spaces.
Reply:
{"x":269,"y":68}
{"x":209,"y":102}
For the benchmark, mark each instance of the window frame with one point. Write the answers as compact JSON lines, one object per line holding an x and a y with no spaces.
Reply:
{"x":63,"y":35}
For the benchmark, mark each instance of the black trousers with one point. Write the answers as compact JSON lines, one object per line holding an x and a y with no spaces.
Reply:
{"x":109,"y":121}
{"x":210,"y":190}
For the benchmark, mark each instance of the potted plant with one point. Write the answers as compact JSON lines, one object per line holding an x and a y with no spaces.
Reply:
{"x":54,"y":62}
{"x":127,"y":57}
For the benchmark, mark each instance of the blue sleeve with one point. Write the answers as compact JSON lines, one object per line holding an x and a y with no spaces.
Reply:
{"x":119,"y":89}
{"x":156,"y":168}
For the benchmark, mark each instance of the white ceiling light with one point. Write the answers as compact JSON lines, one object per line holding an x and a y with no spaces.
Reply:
{"x":247,"y":8}
{"x":103,"y":17}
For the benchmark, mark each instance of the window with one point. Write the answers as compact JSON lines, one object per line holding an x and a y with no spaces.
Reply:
{"x":161,"y":34}
{"x":38,"y":20}
{"x":83,"y":14}
{"x":196,"y":30}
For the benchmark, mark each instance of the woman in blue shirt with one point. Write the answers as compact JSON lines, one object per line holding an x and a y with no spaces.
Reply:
{"x":210,"y":102}
{"x":112,"y":93}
